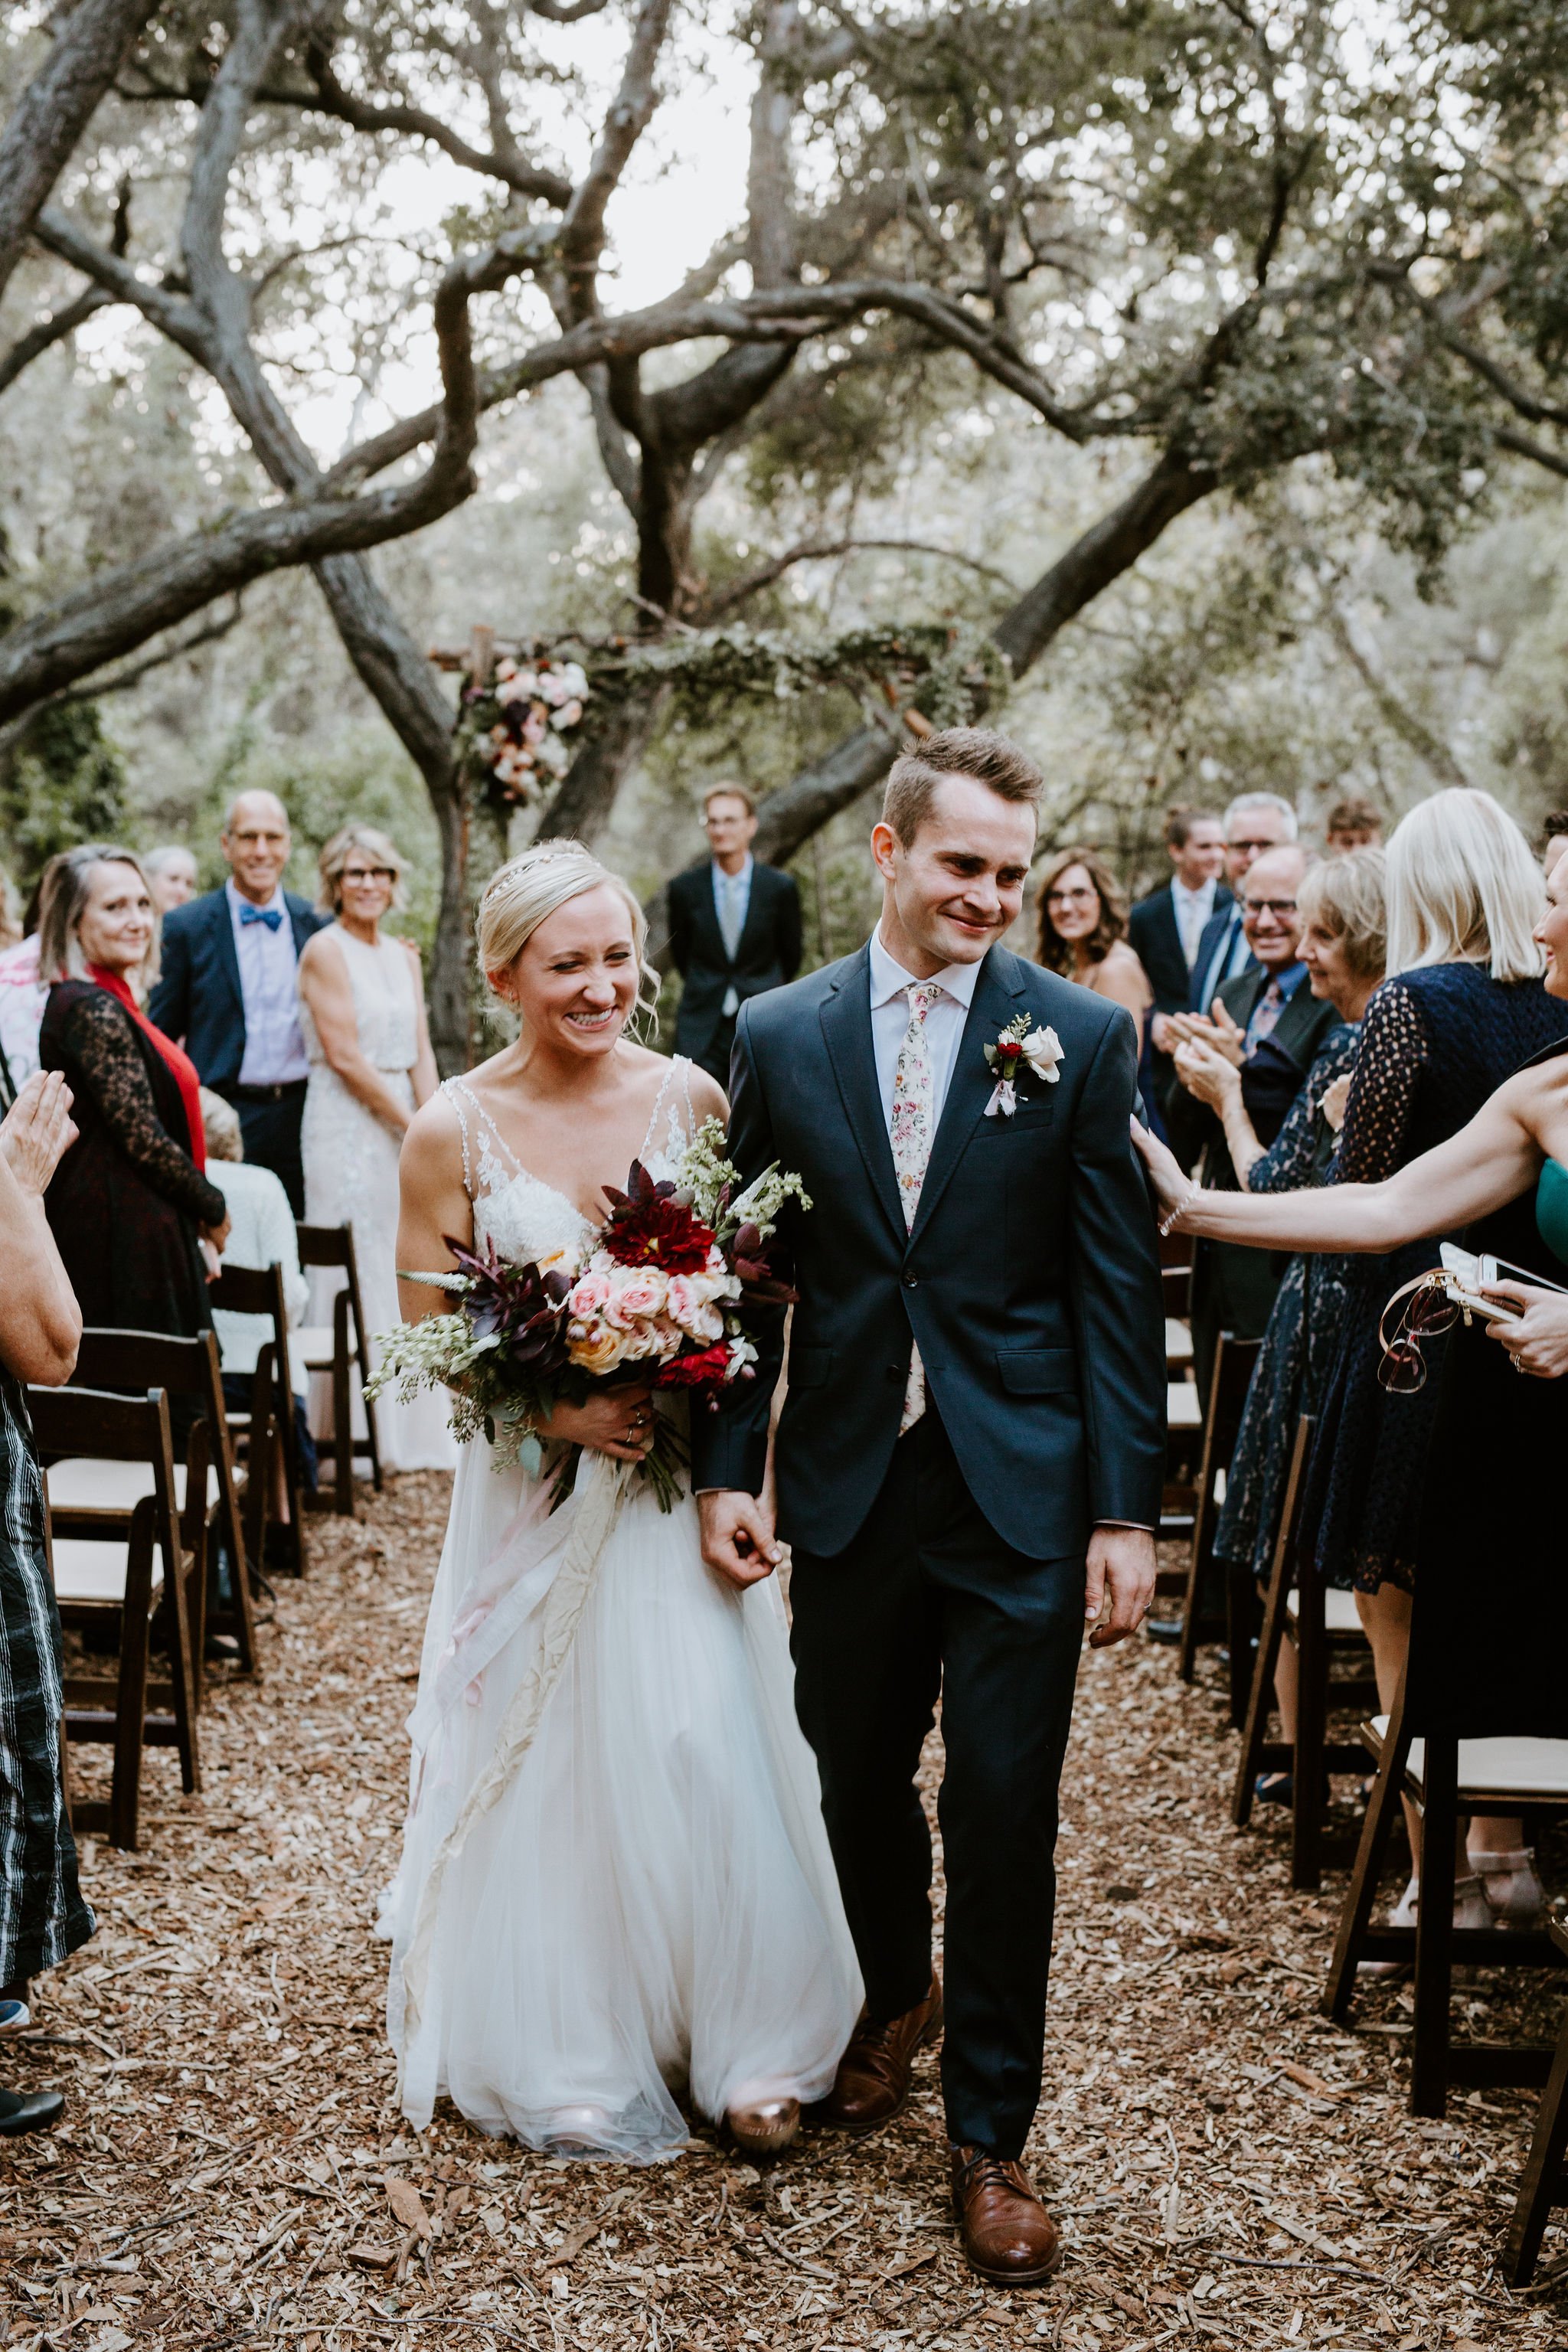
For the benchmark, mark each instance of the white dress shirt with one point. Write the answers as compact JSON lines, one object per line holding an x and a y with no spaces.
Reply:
{"x":1193,"y":908}
{"x":732,"y":898}
{"x":270,"y":986}
{"x":891,"y":1019}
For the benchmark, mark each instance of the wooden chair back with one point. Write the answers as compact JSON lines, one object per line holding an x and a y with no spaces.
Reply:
{"x":258,"y":1290}
{"x":115,"y":1551}
{"x":1545,"y":2182}
{"x":333,"y":1246}
{"x":1229,"y":1383}
{"x":186,"y":1368}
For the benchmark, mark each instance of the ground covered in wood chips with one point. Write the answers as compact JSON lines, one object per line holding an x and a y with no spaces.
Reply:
{"x":233,"y":2169}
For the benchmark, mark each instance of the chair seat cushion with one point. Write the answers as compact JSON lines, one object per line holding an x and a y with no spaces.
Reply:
{"x":81,"y":1484}
{"x":1182,"y":1406}
{"x":1178,"y":1341}
{"x":1339,"y":1612}
{"x":86,"y":1569}
{"x":1522,"y":1769}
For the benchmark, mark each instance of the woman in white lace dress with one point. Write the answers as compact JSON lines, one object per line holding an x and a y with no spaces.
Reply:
{"x":615,"y":1884}
{"x":371,"y":1067}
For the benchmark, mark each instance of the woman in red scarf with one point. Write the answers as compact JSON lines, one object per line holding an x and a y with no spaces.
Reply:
{"x":128,"y":1202}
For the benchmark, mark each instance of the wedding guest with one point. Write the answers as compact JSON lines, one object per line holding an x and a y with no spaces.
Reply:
{"x":230,"y":992}
{"x":1492,"y":1484}
{"x":1554,"y":840}
{"x":734,"y":930}
{"x":1462,"y":1008}
{"x":261,"y":1233}
{"x":1268,"y":1025}
{"x":1340,"y":903}
{"x":130,"y":1204}
{"x":1253,"y":823}
{"x":1165,"y":929}
{"x":42,"y":1914}
{"x":171,"y":877}
{"x":1351,"y":824}
{"x":371,"y":1067}
{"x":1082,"y":933}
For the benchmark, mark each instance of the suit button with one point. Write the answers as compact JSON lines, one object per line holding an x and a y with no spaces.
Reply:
{"x":910,"y":1282}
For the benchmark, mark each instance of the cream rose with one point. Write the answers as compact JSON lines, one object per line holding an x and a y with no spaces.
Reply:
{"x":1043,"y":1052}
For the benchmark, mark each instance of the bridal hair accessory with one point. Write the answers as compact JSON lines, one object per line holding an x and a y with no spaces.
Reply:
{"x":1019,"y":1046}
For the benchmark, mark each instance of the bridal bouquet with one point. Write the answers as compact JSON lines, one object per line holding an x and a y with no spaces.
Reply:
{"x":661,"y":1291}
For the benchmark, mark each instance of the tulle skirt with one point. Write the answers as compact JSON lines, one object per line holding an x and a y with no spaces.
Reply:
{"x":649,"y":1905}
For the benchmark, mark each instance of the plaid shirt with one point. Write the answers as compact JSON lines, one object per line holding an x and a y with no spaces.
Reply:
{"x":42,"y":1914}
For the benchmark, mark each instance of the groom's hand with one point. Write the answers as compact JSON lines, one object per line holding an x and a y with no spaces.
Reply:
{"x":738,"y":1536}
{"x":1121,"y":1583}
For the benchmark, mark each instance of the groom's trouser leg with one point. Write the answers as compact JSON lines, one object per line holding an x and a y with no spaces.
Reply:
{"x":929,"y":1589}
{"x":866,"y":1635}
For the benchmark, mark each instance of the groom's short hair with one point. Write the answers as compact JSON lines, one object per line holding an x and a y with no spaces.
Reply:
{"x":976,"y":751}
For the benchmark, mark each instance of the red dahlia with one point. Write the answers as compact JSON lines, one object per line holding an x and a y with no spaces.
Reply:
{"x":649,"y":1225}
{"x":708,"y":1365}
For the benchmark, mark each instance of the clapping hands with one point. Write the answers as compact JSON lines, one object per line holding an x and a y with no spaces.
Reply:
{"x":38,"y":1130}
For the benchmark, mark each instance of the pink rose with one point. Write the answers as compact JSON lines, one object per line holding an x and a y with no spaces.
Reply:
{"x":589,"y":1296}
{"x":639,"y":1297}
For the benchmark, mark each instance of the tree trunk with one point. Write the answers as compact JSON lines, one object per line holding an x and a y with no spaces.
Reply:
{"x":56,"y":107}
{"x":586,"y":796}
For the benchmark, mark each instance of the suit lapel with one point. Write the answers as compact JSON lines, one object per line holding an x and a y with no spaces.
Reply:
{"x":227,"y":953}
{"x":846,"y":1033}
{"x":994,"y":1005}
{"x":755,"y":902}
{"x":1296,"y":1019}
{"x":300,"y":922}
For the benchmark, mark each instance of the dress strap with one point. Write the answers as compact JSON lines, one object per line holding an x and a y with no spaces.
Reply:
{"x":485,"y":1155}
{"x":672,"y":1122}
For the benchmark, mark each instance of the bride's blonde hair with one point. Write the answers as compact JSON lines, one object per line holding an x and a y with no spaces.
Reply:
{"x":520,"y":894}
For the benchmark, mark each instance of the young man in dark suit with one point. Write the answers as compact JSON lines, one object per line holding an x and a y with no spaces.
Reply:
{"x":229,"y":992}
{"x":734,"y":930}
{"x":971,"y":1457}
{"x":1165,"y":928}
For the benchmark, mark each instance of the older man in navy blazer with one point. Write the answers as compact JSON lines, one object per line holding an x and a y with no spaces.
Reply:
{"x":971,"y":1457}
{"x":230,"y":987}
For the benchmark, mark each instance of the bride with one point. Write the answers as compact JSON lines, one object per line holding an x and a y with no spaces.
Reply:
{"x":614,"y":1878}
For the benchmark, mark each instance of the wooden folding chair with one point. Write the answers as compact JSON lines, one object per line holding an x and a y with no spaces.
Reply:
{"x":335,"y":1350}
{"x":266,"y":1430}
{"x":1233,"y":1363}
{"x":116,"y":1568}
{"x":1545,"y":2182}
{"x":1446,"y":1778}
{"x":1319,"y":1622}
{"x":134,"y":1361}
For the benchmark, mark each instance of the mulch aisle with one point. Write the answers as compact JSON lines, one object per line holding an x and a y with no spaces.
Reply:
{"x":1230,"y":2168}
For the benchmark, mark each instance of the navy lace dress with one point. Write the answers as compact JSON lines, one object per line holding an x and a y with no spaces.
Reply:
{"x":1304,"y":1328}
{"x":1435,"y":1043}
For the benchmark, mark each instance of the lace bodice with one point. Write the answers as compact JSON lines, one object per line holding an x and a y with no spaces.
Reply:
{"x":382,"y":978}
{"x":523,"y":1217}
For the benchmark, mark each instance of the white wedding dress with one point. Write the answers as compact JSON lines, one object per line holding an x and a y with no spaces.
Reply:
{"x":351,"y":1179}
{"x":614,"y":1880}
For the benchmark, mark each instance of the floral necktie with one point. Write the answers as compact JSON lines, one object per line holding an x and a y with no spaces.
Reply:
{"x":912,"y":1132}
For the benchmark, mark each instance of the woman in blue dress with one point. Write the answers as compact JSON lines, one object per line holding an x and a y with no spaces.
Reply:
{"x":1490,"y":1484}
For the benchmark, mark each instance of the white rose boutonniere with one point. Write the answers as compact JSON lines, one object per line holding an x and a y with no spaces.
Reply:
{"x":1039,"y":1050}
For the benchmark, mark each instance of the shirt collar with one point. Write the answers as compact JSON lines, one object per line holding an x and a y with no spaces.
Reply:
{"x":1201,"y":897}
{"x":1289,"y":979}
{"x":890,"y":979}
{"x":744,"y":875}
{"x":237,"y":899}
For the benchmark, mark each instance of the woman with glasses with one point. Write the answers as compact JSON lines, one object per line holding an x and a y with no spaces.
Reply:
{"x":1083,"y":930}
{"x":362,"y":1012}
{"x":1464,"y":1009}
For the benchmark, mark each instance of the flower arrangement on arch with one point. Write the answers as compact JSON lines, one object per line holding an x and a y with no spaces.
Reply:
{"x":664,"y":1290}
{"x":536,"y":703}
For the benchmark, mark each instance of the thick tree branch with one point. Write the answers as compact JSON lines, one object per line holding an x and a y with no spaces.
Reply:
{"x":582,"y":241}
{"x":812,"y":550}
{"x":49,"y":332}
{"x":59,"y":102}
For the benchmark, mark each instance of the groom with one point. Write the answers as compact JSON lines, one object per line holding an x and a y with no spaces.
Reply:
{"x":976,"y":1402}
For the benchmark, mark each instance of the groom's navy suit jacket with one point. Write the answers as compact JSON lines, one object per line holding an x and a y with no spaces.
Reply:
{"x":1030,"y":1278}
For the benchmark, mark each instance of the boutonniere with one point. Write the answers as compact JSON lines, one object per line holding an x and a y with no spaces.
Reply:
{"x":1021,"y":1046}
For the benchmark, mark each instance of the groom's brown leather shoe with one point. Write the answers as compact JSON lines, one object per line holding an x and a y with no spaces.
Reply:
{"x":873,"y":2079}
{"x":1008,"y":2236}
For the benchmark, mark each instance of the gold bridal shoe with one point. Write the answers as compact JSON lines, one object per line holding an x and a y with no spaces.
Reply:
{"x":766,"y":2129}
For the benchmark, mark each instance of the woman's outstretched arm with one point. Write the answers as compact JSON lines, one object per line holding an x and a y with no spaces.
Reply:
{"x":1489,"y":1163}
